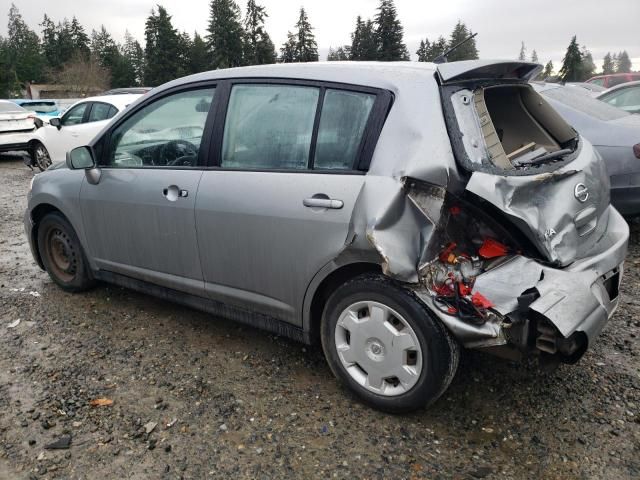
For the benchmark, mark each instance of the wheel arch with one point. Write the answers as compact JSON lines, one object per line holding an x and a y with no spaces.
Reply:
{"x":37,"y":214}
{"x":321,"y":288}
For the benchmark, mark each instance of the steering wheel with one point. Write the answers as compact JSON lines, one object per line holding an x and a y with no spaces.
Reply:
{"x":178,"y":152}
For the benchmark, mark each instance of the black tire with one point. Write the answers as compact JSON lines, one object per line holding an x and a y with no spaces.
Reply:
{"x":62,"y":254}
{"x":440,"y":350}
{"x":40,"y":156}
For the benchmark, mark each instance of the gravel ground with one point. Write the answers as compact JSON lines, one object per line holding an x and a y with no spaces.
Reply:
{"x":200,"y":397}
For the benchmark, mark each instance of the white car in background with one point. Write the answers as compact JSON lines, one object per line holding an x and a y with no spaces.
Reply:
{"x":77,"y":126}
{"x":17,"y":126}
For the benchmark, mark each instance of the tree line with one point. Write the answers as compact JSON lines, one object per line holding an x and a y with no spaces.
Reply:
{"x":65,"y":53}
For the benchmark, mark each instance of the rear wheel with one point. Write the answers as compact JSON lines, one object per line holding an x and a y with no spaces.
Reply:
{"x":40,"y":156}
{"x":62,"y":254}
{"x":385,"y":345}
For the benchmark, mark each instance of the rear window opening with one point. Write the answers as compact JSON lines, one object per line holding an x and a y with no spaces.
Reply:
{"x":508,"y":128}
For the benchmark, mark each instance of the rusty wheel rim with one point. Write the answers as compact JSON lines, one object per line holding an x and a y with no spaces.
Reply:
{"x":62,"y":254}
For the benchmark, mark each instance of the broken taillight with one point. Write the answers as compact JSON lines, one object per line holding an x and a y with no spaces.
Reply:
{"x":636,"y":150}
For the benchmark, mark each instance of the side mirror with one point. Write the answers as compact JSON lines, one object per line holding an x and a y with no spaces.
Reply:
{"x":80,"y":158}
{"x":55,"y":121}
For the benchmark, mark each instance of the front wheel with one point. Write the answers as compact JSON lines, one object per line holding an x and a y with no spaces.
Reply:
{"x":40,"y":156}
{"x":62,"y":254}
{"x":386,"y":346}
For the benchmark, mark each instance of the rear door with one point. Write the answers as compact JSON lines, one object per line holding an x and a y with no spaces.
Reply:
{"x":139,"y":217}
{"x":276,"y":206}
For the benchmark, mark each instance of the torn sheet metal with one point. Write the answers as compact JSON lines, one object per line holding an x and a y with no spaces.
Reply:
{"x":547,"y":208}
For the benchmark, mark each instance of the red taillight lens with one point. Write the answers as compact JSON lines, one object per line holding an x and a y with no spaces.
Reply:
{"x":636,"y":150}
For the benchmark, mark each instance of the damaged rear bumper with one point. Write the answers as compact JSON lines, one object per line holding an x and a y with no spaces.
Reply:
{"x":542,"y":308}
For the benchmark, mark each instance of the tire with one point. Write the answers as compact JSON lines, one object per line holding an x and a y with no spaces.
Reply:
{"x":40,"y":156}
{"x":405,"y":345}
{"x":62,"y":254}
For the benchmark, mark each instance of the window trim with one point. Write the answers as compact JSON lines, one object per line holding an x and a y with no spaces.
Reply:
{"x":368,"y":142}
{"x":146,"y":101}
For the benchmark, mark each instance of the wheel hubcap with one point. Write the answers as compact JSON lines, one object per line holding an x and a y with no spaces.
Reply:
{"x":378,"y":348}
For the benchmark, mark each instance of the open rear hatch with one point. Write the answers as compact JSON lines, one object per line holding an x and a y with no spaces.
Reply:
{"x":523,"y":158}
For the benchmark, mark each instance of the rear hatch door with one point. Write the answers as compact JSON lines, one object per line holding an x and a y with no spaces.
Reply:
{"x":523,"y":158}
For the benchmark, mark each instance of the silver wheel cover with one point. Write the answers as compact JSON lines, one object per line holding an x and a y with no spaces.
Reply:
{"x":378,"y":348}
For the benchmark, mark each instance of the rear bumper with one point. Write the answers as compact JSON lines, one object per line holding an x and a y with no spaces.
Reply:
{"x":29,"y":231}
{"x":14,"y":141}
{"x":577,"y":300}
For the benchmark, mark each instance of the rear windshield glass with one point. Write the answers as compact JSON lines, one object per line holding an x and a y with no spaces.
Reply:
{"x":40,"y":107}
{"x":584,"y":103}
{"x":10,"y":107}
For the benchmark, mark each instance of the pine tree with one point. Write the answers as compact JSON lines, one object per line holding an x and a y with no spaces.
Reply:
{"x":288,"y":52}
{"x":104,"y":47}
{"x":339,"y":54}
{"x":623,"y":64}
{"x":134,"y":55}
{"x":467,"y":51}
{"x":23,"y":45}
{"x":79,"y":39}
{"x":423,"y":50}
{"x":9,"y":85}
{"x":226,"y":35}
{"x":258,"y":47}
{"x":588,"y":67}
{"x":49,"y":42}
{"x":548,"y":70}
{"x":534,"y":56}
{"x":389,"y":33}
{"x":571,"y":70}
{"x":162,"y":60}
{"x":608,"y":65}
{"x":306,"y":46}
{"x":199,"y":57}
{"x":437,"y":48}
{"x":523,"y":53}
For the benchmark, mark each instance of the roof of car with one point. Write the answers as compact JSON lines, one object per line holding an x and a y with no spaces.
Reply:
{"x":118,"y":101}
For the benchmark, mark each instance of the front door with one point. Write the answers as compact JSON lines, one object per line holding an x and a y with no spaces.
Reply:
{"x":269,"y":219}
{"x":139,"y":217}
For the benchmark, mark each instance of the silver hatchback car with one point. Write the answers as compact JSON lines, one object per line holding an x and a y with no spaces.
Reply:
{"x":394,"y":212}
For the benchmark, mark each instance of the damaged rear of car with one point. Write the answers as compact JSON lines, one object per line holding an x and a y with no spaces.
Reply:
{"x":527,"y":252}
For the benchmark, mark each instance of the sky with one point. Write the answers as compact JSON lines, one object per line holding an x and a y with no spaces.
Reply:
{"x":544,"y":25}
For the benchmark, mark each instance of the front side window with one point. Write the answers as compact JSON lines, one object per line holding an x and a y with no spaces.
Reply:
{"x":165,"y":133}
{"x":75,"y":115}
{"x":100,"y":111}
{"x":598,"y":81}
{"x":269,"y":127}
{"x":342,"y":124}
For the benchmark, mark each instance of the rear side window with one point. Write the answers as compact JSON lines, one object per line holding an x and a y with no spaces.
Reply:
{"x":99,"y":111}
{"x":269,"y":127}
{"x":342,"y":124}
{"x":613,"y":81}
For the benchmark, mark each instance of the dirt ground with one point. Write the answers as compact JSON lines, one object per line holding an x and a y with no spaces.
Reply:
{"x":201,"y":397}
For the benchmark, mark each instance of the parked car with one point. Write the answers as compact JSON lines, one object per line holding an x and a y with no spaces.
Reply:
{"x":392,"y":212}
{"x":77,"y":126}
{"x":614,"y":133}
{"x":43,"y":109}
{"x":625,"y":97}
{"x":613,"y":79}
{"x":16,"y":126}
{"x":590,"y":88}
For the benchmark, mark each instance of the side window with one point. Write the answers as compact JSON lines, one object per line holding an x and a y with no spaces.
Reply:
{"x":75,"y":115}
{"x":99,"y":111}
{"x":598,"y":81}
{"x":342,"y":123}
{"x":613,"y":81}
{"x":167,"y":132}
{"x":269,"y":126}
{"x":112,"y":111}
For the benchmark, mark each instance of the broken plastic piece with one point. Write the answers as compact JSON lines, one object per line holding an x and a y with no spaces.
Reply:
{"x":491,"y":248}
{"x":447,"y":254}
{"x":481,"y":301}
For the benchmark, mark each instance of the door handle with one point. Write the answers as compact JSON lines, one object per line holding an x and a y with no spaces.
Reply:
{"x":172,"y":193}
{"x":322,"y":202}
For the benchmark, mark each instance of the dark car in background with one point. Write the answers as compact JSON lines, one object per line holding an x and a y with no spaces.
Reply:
{"x":614,"y":133}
